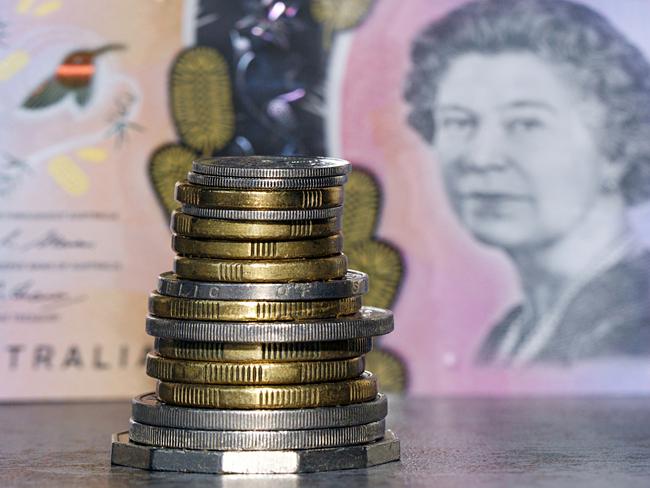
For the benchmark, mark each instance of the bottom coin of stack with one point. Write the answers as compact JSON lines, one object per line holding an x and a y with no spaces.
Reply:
{"x":167,"y":437}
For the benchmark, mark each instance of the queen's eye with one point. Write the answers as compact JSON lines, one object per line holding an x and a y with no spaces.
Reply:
{"x":524,"y":124}
{"x":457,"y":123}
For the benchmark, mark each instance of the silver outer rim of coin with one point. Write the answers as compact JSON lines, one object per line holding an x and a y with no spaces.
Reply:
{"x":126,"y":453}
{"x":238,"y":214}
{"x":266,"y":183}
{"x":279,"y":166}
{"x":368,"y":322}
{"x":255,"y":440}
{"x":353,"y":283}
{"x":147,"y":409}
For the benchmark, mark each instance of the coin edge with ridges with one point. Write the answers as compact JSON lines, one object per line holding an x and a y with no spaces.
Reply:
{"x":256,"y":440}
{"x":173,"y":416}
{"x":252,"y":373}
{"x":264,"y":214}
{"x":186,"y":225}
{"x":356,"y":390}
{"x":295,"y":331}
{"x":258,"y":199}
{"x":360,"y":278}
{"x":261,"y":352}
{"x":250,"y":310}
{"x":265,"y":183}
{"x":252,"y":171}
{"x":252,"y":250}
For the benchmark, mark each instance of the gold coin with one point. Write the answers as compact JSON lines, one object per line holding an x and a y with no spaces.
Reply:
{"x":261,"y":271}
{"x":201,"y":196}
{"x":250,"y":310}
{"x":204,"y":228}
{"x":357,"y":390}
{"x":325,"y":246}
{"x":251,"y":352}
{"x":228,"y":373}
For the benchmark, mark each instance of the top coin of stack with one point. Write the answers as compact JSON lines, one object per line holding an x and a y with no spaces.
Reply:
{"x":260,"y":331}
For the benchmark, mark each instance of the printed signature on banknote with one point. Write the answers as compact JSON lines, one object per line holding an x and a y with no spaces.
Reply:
{"x":51,"y":239}
{"x":26,"y":291}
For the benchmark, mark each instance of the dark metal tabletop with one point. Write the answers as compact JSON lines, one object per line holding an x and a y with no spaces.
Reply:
{"x":466,"y":442}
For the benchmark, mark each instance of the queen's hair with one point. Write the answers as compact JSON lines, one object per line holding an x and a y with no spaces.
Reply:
{"x":585,"y":47}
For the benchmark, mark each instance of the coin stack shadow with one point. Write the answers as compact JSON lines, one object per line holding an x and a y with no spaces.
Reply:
{"x":260,"y":332}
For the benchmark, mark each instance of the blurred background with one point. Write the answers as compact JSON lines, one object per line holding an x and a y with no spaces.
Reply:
{"x":510,"y":271}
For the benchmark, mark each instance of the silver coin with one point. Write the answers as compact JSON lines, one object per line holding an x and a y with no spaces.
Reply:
{"x":255,"y":440}
{"x":127,"y":453}
{"x":368,"y":322}
{"x":147,"y":409}
{"x":237,"y":214}
{"x":265,"y":351}
{"x":266,"y":183}
{"x":353,"y":283}
{"x":271,"y":166}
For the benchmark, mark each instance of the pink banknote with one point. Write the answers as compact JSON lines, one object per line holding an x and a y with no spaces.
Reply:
{"x":499,"y":207}
{"x":511,"y":142}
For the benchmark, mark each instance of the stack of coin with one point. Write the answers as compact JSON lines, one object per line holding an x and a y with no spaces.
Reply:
{"x":260,"y":333}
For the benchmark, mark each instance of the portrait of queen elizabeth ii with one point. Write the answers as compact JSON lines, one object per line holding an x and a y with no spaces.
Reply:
{"x":538,"y":115}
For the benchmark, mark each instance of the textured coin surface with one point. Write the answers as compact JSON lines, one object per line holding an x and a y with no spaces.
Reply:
{"x":263,"y":271}
{"x":256,"y":440}
{"x":254,"y":214}
{"x":201,"y":196}
{"x":126,"y":453}
{"x":361,"y":389}
{"x":274,"y":351}
{"x":353,"y":283}
{"x":271,"y":166}
{"x":312,"y":248}
{"x":368,"y":322}
{"x":266,"y":183}
{"x":190,"y":226}
{"x":233,"y":373}
{"x":147,"y":409}
{"x":250,"y":310}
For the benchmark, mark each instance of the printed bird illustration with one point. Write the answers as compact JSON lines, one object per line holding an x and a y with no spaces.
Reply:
{"x":74,"y":75}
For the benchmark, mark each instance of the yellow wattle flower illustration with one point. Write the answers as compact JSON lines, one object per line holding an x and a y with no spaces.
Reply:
{"x":338,"y":15}
{"x":380,"y":260}
{"x":201,"y":99}
{"x":168,"y":165}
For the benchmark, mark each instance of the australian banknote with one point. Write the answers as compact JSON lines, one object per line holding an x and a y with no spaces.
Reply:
{"x":498,"y":202}
{"x":82,"y":237}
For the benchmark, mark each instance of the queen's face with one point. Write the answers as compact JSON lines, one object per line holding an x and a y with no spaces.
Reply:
{"x":520,"y":159}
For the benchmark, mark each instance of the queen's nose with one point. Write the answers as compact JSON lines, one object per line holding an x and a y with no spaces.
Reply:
{"x":485,"y":148}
